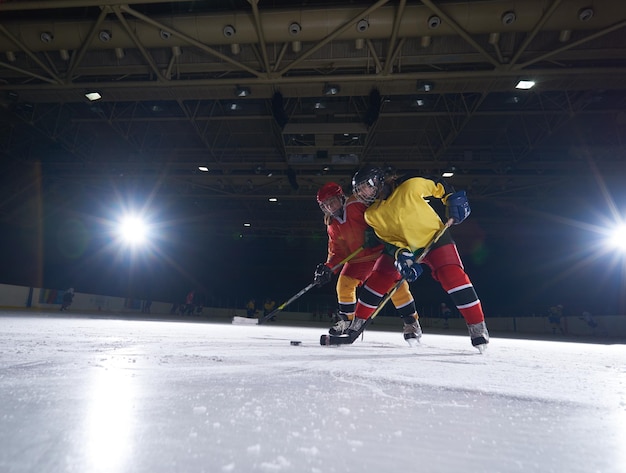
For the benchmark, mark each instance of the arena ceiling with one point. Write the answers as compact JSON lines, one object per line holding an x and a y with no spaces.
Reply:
{"x":275,"y":98}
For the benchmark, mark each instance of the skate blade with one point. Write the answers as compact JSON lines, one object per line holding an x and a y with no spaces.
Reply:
{"x":481,"y":348}
{"x":413,"y":342}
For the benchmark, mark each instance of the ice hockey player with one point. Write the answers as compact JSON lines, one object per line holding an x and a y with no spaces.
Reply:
{"x":346,"y":227}
{"x":405,"y":221}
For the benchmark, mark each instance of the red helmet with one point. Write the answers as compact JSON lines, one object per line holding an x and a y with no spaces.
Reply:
{"x":328,"y":190}
{"x":331,"y":198}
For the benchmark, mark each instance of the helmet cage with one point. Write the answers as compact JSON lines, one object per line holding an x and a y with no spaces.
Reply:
{"x":331,"y":199}
{"x":368,"y":185}
{"x":333,"y":205}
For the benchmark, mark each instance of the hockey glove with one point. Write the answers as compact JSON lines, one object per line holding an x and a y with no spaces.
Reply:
{"x":457,"y":207}
{"x":406,"y":266}
{"x":322,"y":275}
{"x":371,"y":239}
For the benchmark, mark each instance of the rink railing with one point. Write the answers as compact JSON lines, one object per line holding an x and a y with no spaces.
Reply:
{"x":31,"y":299}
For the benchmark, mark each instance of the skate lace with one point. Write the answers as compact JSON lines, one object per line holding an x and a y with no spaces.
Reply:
{"x":342,"y":325}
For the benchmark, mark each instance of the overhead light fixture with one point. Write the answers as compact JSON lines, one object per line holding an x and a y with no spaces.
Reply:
{"x":10,"y":56}
{"x":105,"y":36}
{"x":247,"y":224}
{"x":203,"y":168}
{"x":420,"y":102}
{"x":93,"y":95}
{"x":295,"y":28}
{"x":242,"y":91}
{"x":508,"y":18}
{"x":273,"y":199}
{"x":65,"y":54}
{"x":434,"y":22}
{"x":229,"y":31}
{"x":331,"y":89}
{"x":119,"y":53}
{"x":425,"y":86}
{"x":362,"y":25}
{"x":233,"y":106}
{"x":525,"y":84}
{"x":585,"y":14}
{"x":448,"y":172}
{"x":46,"y":37}
{"x":235,"y":48}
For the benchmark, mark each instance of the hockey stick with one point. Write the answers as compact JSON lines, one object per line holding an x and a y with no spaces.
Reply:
{"x":265,"y":318}
{"x":347,"y":340}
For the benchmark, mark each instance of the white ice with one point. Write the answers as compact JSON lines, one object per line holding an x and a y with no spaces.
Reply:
{"x":85,"y":395}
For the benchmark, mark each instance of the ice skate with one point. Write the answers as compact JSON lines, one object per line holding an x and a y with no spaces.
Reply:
{"x":412,"y":331}
{"x":479,"y":335}
{"x":355,"y":326}
{"x":340,"y":328}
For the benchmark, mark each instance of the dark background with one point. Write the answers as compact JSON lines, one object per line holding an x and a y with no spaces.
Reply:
{"x":534,"y":258}
{"x":544,"y":168}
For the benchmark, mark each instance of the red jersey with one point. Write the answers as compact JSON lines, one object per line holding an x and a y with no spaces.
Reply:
{"x":346,"y":234}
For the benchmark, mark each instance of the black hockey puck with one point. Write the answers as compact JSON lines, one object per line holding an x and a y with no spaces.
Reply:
{"x":296,"y":343}
{"x":324,"y":340}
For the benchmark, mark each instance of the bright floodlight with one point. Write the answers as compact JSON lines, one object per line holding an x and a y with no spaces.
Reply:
{"x":525,"y":84}
{"x":133,"y":230}
{"x":618,"y":238}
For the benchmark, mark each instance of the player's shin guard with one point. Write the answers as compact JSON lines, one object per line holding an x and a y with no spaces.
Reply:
{"x":367,"y":303}
{"x":458,"y":285}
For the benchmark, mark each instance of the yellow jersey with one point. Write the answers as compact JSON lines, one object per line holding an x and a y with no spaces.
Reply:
{"x":405,"y":219}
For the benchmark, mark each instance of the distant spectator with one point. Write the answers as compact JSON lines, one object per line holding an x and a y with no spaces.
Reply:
{"x":251,"y":309}
{"x":268,"y":307}
{"x":554,"y":317}
{"x":68,"y":298}
{"x":446,"y":313}
{"x":145,"y":308}
{"x":189,"y":304}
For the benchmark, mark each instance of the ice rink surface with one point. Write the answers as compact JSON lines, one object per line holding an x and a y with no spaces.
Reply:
{"x":81,"y":394}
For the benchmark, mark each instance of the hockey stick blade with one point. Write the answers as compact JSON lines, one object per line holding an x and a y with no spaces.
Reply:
{"x":326,"y":340}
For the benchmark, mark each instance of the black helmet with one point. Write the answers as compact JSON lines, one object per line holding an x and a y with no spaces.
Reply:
{"x":368,"y":183}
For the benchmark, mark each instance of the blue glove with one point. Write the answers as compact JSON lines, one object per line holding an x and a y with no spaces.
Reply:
{"x":322,"y":275}
{"x":457,"y":207}
{"x":406,"y":266}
